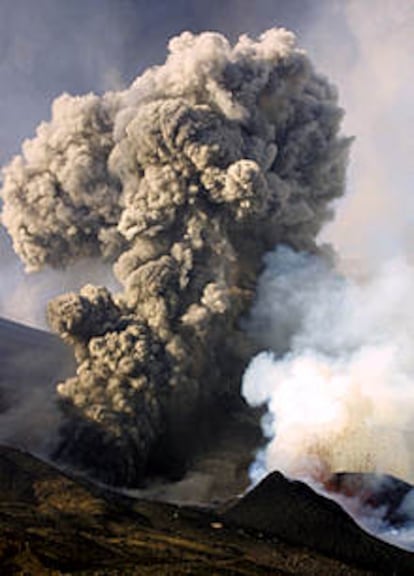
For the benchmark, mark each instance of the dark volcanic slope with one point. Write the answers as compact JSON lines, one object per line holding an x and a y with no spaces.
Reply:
{"x":31,"y":357}
{"x":293,"y":512}
{"x":32,"y":362}
{"x":52,"y":524}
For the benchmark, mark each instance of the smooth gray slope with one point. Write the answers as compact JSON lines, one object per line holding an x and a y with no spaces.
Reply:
{"x":31,"y":364}
{"x":31,"y":357}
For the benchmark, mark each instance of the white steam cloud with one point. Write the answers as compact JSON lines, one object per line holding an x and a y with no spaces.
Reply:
{"x":341,"y":398}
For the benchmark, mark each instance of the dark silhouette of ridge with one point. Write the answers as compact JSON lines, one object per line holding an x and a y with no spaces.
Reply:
{"x":31,"y":357}
{"x":52,"y":522}
{"x":293,"y":512}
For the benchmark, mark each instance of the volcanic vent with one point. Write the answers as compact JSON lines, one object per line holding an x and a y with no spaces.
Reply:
{"x":183,"y":181}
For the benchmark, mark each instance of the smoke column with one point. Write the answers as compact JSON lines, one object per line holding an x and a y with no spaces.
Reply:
{"x":182,"y":181}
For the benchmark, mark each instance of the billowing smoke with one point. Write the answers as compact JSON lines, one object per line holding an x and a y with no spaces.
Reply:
{"x":339,"y":380}
{"x":182,"y":181}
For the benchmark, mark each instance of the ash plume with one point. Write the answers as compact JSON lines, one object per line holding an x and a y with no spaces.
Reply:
{"x":183,"y":181}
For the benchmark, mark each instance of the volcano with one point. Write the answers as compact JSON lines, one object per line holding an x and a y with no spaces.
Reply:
{"x":54,"y":520}
{"x":184,"y":183}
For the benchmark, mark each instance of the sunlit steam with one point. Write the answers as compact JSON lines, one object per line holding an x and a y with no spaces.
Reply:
{"x":341,"y":398}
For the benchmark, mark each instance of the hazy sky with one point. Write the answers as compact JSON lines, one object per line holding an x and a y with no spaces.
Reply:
{"x":51,"y":46}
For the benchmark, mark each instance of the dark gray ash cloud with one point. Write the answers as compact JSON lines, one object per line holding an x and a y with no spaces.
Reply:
{"x":183,"y":181}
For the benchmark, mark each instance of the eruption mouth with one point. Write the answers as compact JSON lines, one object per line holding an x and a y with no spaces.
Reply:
{"x":372,"y":492}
